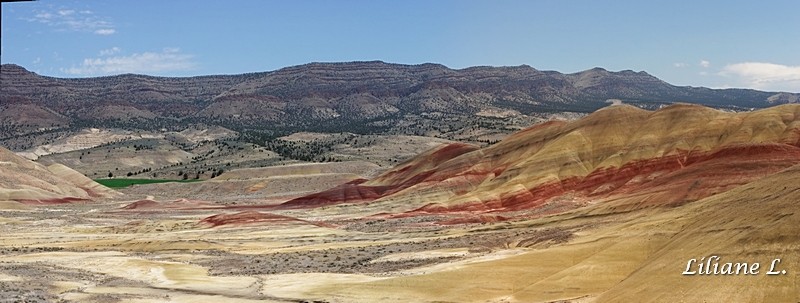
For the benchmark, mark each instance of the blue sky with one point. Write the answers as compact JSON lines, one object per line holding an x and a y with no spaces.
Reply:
{"x":752,"y":44}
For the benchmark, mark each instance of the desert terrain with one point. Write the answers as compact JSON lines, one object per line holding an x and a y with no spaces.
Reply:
{"x":606,"y":207}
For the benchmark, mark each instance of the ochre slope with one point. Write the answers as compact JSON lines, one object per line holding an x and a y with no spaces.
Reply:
{"x":403,"y":176}
{"x":360,"y":168}
{"x":26,"y":181}
{"x":629,"y":257}
{"x":756,"y":222}
{"x":635,"y":157}
{"x":93,"y":189}
{"x":615,"y":151}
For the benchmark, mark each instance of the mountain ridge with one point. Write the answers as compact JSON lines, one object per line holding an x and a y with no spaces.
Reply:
{"x":359,"y":97}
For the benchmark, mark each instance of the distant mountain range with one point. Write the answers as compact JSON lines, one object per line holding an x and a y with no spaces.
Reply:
{"x":342,"y":96}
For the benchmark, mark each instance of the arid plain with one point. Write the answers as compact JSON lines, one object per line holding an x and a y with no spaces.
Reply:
{"x":608,"y":207}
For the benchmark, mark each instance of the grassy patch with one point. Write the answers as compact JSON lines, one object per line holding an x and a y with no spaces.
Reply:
{"x":120,"y":183}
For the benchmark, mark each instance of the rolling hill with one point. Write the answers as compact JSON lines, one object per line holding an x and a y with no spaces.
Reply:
{"x":621,"y":155}
{"x":22,"y":180}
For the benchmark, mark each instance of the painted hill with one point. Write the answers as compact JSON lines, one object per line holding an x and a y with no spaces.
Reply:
{"x":641,"y":192}
{"x":629,"y":257}
{"x":621,"y":156}
{"x":26,"y":181}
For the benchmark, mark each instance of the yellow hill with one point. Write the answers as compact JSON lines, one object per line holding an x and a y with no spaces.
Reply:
{"x":631,"y":258}
{"x":27,"y":181}
{"x":611,"y":153}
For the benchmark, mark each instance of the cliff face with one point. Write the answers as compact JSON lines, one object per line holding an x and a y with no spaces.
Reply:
{"x":357,"y":91}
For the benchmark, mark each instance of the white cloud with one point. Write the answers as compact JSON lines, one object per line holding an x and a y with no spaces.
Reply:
{"x":110,"y":51}
{"x":170,"y":59}
{"x":705,"y":63}
{"x":105,"y":31}
{"x":71,"y":20}
{"x":680,"y":64}
{"x":42,"y":17}
{"x":765,"y":76}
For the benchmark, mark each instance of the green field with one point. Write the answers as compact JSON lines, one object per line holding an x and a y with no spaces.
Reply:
{"x":120,"y":183}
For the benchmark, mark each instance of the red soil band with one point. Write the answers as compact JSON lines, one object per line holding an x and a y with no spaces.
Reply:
{"x":756,"y":160}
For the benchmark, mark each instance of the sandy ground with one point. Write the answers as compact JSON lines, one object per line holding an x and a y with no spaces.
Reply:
{"x":99,"y":252}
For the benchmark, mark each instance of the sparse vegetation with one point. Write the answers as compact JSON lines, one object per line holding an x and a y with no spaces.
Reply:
{"x":121,"y":183}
